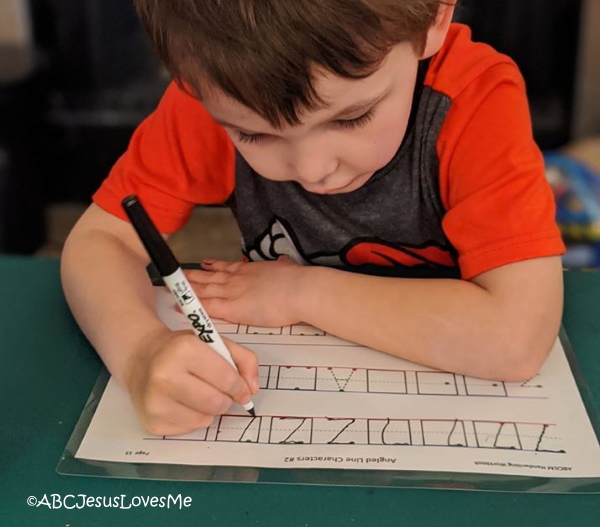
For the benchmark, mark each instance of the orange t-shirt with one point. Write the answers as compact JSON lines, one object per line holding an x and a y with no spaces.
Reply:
{"x":466,"y":190}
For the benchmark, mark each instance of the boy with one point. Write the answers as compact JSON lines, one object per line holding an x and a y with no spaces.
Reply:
{"x":369,"y":136}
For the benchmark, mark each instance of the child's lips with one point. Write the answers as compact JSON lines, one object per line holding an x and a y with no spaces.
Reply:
{"x":353,"y":185}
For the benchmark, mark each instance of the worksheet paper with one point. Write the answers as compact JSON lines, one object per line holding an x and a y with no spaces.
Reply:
{"x":328,"y":403}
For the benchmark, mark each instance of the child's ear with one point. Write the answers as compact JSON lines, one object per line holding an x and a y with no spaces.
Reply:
{"x":436,"y":34}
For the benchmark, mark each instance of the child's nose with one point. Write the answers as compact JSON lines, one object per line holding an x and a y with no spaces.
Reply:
{"x":313,"y":168}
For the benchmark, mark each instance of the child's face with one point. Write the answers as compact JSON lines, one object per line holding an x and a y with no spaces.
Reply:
{"x":337,"y":148}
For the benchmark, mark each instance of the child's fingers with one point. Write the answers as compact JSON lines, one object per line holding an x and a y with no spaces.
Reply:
{"x":220,"y":265}
{"x":208,"y":366}
{"x":201,"y":397}
{"x":173,"y":418}
{"x":207,"y":277}
{"x":186,"y":385}
{"x":247,"y":364}
{"x":212,"y":291}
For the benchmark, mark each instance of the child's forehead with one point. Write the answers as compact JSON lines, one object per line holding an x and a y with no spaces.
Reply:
{"x":332,"y":88}
{"x":336,"y":93}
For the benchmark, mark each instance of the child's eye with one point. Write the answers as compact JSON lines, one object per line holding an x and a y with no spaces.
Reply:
{"x":357,"y":121}
{"x":249,"y":138}
{"x":363,"y":119}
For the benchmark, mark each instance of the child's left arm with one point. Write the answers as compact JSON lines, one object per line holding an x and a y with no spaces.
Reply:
{"x":501,"y":320}
{"x":499,"y":325}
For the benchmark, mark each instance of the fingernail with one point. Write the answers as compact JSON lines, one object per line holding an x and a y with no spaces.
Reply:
{"x":255,"y":387}
{"x":208,"y":261}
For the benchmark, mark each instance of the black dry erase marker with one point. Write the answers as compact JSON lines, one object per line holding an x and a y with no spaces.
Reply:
{"x":175,"y":280}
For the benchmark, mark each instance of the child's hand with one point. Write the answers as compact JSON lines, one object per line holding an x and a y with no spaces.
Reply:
{"x":253,"y":293}
{"x":178,"y":384}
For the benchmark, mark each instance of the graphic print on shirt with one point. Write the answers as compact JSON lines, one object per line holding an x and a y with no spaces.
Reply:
{"x":280,"y":240}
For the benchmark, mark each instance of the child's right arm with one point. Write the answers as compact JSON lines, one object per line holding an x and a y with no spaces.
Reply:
{"x":176,"y":382}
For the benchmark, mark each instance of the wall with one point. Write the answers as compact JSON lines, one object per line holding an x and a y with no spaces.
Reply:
{"x":587,"y":100}
{"x":15,"y":25}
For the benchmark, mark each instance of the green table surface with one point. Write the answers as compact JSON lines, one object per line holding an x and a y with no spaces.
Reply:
{"x":47,"y":370}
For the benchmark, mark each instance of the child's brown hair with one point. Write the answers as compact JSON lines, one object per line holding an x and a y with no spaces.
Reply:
{"x":263,"y":53}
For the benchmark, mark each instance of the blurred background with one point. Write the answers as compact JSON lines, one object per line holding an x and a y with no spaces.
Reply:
{"x":77,"y":76}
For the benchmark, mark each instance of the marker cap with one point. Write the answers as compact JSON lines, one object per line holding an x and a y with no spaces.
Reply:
{"x":155,"y":245}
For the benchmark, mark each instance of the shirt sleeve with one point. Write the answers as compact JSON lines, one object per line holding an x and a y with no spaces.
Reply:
{"x":177,"y":158}
{"x":500,"y":208}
